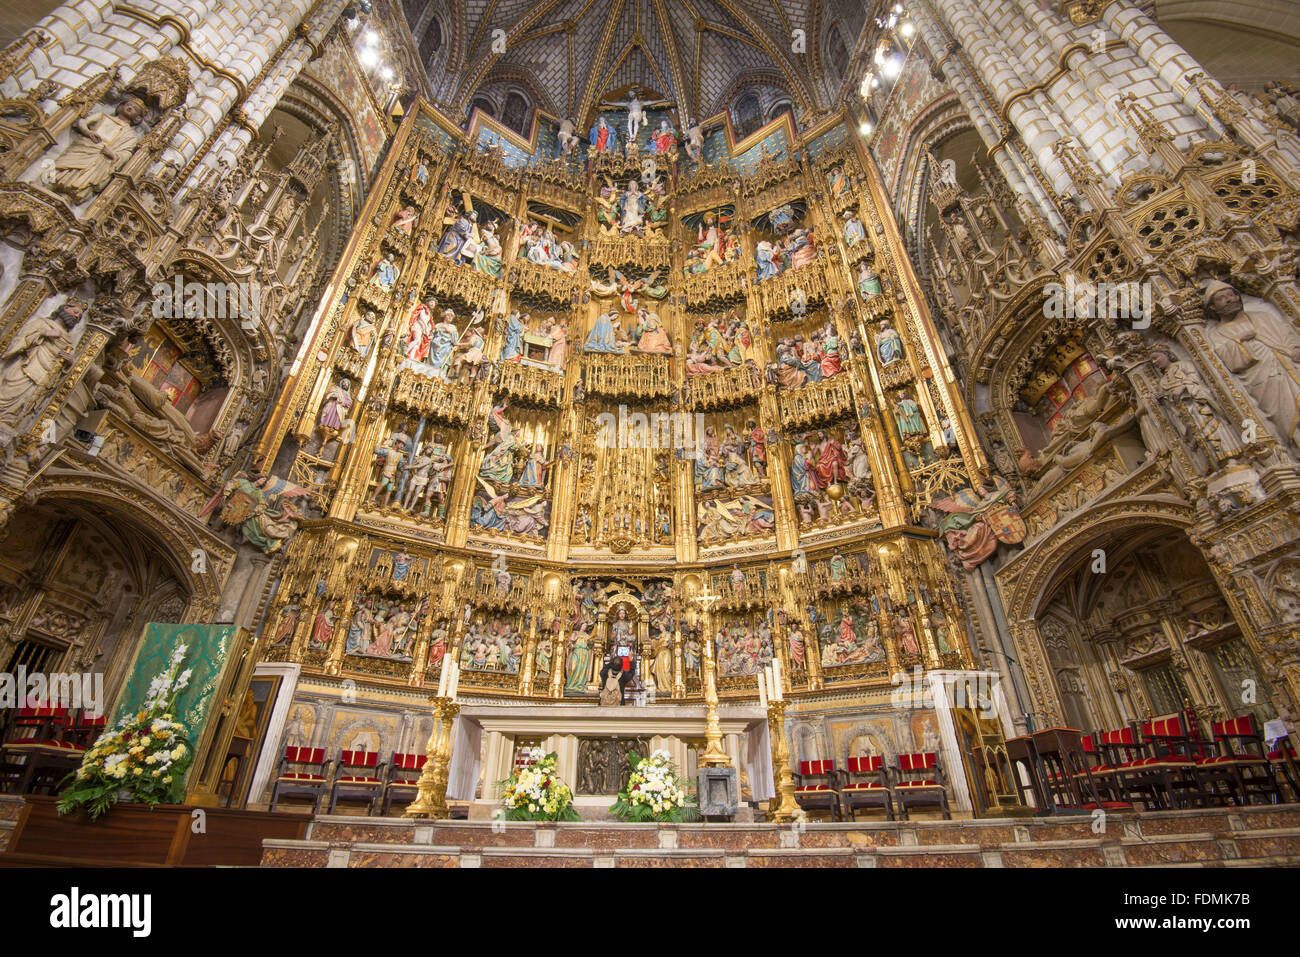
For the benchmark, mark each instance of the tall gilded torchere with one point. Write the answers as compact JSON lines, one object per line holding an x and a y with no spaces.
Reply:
{"x":431,"y":799}
{"x":788,"y":809}
{"x":714,"y":755}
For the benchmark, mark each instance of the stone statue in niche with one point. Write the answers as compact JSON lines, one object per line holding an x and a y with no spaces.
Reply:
{"x":1262,"y":349}
{"x":154,"y":413}
{"x":907,"y":415}
{"x":100,"y":145}
{"x":334,"y":410}
{"x":1182,"y":389}
{"x":889,"y":345}
{"x":854,"y":232}
{"x":34,"y":358}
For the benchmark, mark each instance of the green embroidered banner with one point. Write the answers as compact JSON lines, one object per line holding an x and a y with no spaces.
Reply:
{"x":207,"y":651}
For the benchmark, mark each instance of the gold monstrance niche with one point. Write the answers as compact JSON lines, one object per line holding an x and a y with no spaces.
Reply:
{"x":553,"y":392}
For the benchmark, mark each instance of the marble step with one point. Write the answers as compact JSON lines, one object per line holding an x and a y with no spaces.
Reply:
{"x":987,"y":834}
{"x":1186,"y":849}
{"x":955,"y":856}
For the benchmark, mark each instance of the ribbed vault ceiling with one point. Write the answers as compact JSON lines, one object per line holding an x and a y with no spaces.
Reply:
{"x":695,"y":53}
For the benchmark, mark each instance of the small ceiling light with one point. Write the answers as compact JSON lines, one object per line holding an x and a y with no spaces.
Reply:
{"x":370,"y":36}
{"x":386,"y":74}
{"x":892,"y":67}
{"x":898,"y":8}
{"x":865,"y":129}
{"x":369,"y":56}
{"x":907,"y":29}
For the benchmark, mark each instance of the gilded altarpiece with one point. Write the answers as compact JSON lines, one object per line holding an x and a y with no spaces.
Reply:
{"x":545,"y":415}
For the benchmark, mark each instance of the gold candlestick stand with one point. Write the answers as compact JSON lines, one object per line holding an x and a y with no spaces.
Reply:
{"x":714,"y":756}
{"x":788,"y":809}
{"x":431,"y":801}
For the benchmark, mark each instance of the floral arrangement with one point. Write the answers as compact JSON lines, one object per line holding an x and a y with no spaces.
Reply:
{"x":655,"y":792}
{"x":536,"y":793}
{"x":143,"y":759}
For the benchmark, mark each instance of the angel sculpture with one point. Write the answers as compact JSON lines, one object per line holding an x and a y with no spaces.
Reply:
{"x":977,"y":519}
{"x":262,"y":506}
{"x":499,"y":512}
{"x":489,"y":511}
{"x":607,"y":209}
{"x":627,"y":289}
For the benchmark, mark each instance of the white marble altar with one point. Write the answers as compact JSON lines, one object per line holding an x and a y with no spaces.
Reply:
{"x":485,"y":737}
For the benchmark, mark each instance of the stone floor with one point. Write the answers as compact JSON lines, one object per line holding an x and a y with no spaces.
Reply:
{"x":1222,"y":837}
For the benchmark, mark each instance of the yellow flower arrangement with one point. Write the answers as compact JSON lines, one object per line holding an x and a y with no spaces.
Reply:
{"x":144,"y":757}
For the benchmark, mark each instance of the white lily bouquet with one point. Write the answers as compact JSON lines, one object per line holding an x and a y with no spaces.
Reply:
{"x":535,"y":792}
{"x":655,"y":792}
{"x":144,"y":758}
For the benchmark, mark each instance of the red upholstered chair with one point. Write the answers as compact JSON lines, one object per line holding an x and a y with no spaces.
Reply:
{"x":1138,"y":776}
{"x":919,"y":781}
{"x":1100,"y":783}
{"x":865,"y":783}
{"x":1240,"y":763}
{"x":403,"y":777}
{"x":303,"y":772}
{"x":814,"y":787}
{"x":1173,"y":747}
{"x":359,"y":775}
{"x":82,"y":733}
{"x":1284,"y":758}
{"x":34,"y":755}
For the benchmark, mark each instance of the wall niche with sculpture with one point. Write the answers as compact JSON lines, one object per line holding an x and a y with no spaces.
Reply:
{"x":170,"y":387}
{"x":1066,"y":414}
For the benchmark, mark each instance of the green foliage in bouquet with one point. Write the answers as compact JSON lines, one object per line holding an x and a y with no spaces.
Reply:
{"x":144,"y":758}
{"x":655,"y":792}
{"x":536,"y":793}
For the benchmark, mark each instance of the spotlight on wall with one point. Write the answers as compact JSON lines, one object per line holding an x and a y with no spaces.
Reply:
{"x":368,"y":56}
{"x":370,"y":37}
{"x":386,"y":74}
{"x":91,"y":430}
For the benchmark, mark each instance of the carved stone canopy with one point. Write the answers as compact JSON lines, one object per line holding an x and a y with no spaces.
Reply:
{"x":161,"y":83}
